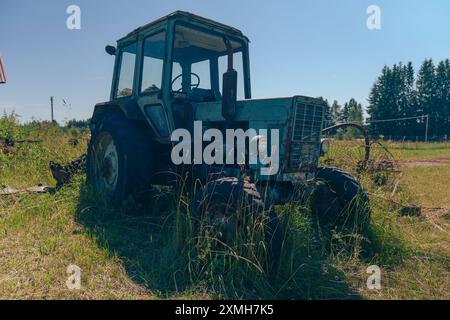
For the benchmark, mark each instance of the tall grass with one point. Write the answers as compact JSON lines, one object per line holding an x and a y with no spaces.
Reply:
{"x":189,"y":253}
{"x":170,"y":247}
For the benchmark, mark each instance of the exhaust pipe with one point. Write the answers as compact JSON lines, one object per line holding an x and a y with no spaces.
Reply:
{"x":229,"y":88}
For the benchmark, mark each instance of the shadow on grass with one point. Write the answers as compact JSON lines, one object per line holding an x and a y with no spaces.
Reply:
{"x":144,"y":239}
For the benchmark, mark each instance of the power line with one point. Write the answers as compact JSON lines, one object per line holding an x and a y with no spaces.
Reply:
{"x":397,"y":119}
{"x":427,"y":117}
{"x":406,"y":118}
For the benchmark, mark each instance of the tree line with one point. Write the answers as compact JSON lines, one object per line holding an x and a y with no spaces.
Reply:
{"x":399,"y":93}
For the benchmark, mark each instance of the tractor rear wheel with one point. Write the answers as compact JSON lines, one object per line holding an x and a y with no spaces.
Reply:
{"x":339,"y":200}
{"x":119,"y":162}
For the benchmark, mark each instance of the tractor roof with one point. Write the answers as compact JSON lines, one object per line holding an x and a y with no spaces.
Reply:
{"x":188,"y":17}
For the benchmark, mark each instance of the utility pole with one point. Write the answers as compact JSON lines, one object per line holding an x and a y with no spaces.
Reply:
{"x":51,"y":105}
{"x":2,"y":71}
{"x":426,"y":128}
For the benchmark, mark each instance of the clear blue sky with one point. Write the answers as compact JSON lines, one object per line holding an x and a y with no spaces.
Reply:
{"x":316,"y":48}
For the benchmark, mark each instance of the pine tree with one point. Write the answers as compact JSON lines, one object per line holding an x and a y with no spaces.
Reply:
{"x":336,"y":113}
{"x":427,"y":96}
{"x":447,"y":105}
{"x":352,"y":112}
{"x":382,"y":102}
{"x":442,"y":107}
{"x":412,"y":105}
{"x":409,"y":78}
{"x":328,"y":117}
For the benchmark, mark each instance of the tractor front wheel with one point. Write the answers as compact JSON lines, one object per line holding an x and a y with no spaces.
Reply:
{"x":339,"y":200}
{"x":235,"y":207}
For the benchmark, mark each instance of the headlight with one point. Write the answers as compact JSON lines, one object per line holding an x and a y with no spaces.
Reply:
{"x":324,"y":146}
{"x":261,"y":143}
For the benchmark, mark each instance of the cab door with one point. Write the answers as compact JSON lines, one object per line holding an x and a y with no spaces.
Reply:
{"x":150,"y":86}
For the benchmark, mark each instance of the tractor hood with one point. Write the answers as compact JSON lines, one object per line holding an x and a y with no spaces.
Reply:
{"x":276,"y":109}
{"x":299,"y":121}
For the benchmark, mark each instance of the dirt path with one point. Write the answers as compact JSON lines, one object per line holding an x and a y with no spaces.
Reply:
{"x":427,"y":162}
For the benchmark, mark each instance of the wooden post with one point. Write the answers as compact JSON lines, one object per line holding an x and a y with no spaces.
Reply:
{"x":426,"y":128}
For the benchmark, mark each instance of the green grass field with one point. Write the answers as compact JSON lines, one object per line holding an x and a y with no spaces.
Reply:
{"x":151,"y":251}
{"x":419,"y":150}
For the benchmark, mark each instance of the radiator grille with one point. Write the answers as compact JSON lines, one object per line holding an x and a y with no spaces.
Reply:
{"x":306,"y":134}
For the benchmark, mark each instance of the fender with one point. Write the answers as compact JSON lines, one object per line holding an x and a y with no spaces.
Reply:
{"x":128,"y":107}
{"x":130,"y":110}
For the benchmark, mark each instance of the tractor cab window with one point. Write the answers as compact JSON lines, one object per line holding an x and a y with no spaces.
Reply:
{"x":126,"y":71}
{"x":152,"y":63}
{"x":203,"y":71}
{"x":195,"y":66}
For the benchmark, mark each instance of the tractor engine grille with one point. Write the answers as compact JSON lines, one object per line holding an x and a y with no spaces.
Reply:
{"x":306,"y":133}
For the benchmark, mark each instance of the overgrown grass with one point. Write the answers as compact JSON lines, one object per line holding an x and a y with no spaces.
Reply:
{"x":415,"y":150}
{"x":165,"y":249}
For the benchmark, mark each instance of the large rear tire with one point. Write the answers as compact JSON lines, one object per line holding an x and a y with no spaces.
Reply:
{"x":120,"y":161}
{"x":339,"y":200}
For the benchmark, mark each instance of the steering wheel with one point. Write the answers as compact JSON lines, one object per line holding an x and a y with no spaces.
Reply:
{"x":195,"y":85}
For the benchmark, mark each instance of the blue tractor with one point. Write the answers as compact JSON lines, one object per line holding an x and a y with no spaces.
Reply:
{"x":181,"y":70}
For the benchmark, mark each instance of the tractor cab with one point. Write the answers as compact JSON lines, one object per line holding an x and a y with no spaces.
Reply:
{"x":165,"y":67}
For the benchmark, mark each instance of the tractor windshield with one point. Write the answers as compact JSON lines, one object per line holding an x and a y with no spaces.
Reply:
{"x":199,"y":61}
